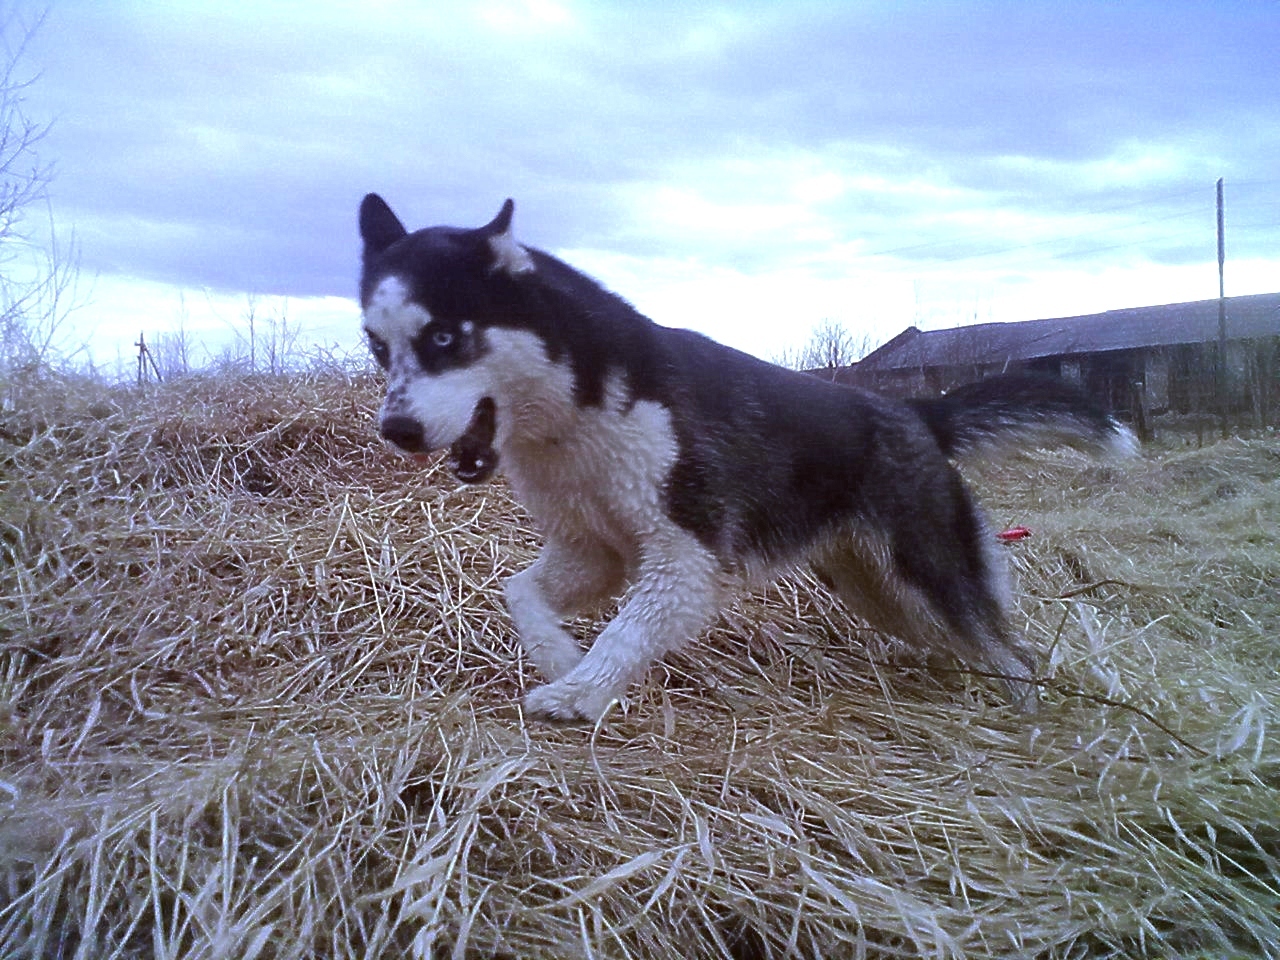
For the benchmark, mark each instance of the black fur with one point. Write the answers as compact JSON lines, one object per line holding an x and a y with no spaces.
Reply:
{"x":988,"y":410}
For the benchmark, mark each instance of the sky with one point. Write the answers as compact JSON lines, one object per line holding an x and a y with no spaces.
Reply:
{"x":746,"y":169}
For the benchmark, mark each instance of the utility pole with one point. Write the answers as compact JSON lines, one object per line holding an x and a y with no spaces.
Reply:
{"x":1222,"y":318}
{"x":145,"y":357}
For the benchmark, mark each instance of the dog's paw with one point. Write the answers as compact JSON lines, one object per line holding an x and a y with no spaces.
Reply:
{"x":568,"y":701}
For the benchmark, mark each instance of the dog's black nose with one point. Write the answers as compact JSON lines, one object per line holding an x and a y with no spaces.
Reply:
{"x":404,"y":432}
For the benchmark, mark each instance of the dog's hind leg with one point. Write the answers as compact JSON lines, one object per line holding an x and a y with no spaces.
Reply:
{"x":675,"y":595}
{"x":946,"y":594}
{"x":569,"y":577}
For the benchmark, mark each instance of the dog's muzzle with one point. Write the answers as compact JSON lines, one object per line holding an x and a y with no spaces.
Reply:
{"x":405,"y":432}
{"x":472,"y":457}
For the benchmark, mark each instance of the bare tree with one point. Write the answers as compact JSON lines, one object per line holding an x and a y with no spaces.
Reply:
{"x":830,"y":347}
{"x":37,"y":276}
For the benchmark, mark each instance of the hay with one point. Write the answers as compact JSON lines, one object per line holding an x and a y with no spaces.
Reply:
{"x":258,"y":698}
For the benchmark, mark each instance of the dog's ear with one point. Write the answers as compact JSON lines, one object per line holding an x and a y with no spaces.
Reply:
{"x":379,"y":227}
{"x":508,"y":255}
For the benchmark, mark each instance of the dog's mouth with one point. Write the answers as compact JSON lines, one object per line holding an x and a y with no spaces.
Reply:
{"x":472,"y":457}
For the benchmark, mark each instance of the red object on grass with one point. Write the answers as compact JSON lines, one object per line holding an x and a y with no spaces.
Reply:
{"x":1013,"y":534}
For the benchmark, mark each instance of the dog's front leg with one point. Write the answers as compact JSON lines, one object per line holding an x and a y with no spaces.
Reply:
{"x":675,"y":596}
{"x":568,"y":577}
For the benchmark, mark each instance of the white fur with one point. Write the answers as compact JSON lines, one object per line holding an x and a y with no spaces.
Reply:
{"x":595,"y":485}
{"x":390,"y":309}
{"x":673,"y":598}
{"x":443,"y":404}
{"x":1124,"y":443}
{"x":508,"y":254}
{"x":593,"y":479}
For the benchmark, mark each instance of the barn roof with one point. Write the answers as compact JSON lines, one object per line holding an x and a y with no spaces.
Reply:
{"x":1173,"y":323}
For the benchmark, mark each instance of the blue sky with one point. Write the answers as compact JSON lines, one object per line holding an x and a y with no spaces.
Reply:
{"x":746,"y":169}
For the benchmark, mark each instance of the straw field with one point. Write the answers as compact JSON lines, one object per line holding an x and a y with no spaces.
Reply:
{"x":259,"y":699}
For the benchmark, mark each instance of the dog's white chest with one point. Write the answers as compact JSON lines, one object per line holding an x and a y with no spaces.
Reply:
{"x":603,"y":477}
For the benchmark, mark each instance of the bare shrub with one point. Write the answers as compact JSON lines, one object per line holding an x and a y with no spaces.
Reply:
{"x":37,"y":275}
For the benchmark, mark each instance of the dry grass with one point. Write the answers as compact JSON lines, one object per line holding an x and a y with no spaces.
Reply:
{"x":258,"y":698}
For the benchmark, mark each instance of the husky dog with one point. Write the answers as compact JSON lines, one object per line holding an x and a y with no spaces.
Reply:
{"x":665,"y":467}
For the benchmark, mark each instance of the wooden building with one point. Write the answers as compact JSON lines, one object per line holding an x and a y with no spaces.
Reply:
{"x":1141,"y":362}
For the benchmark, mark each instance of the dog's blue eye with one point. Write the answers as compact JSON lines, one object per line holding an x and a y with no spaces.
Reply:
{"x":438,"y":347}
{"x":378,"y":347}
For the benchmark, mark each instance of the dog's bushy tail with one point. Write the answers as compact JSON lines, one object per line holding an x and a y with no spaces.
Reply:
{"x":1026,"y":412}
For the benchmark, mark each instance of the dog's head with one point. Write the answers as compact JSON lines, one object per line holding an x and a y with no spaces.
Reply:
{"x":431,"y":300}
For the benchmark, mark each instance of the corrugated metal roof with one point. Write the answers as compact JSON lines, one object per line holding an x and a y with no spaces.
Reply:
{"x":1165,"y":325}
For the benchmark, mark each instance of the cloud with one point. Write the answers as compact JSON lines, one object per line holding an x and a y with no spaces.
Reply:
{"x":226,"y":146}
